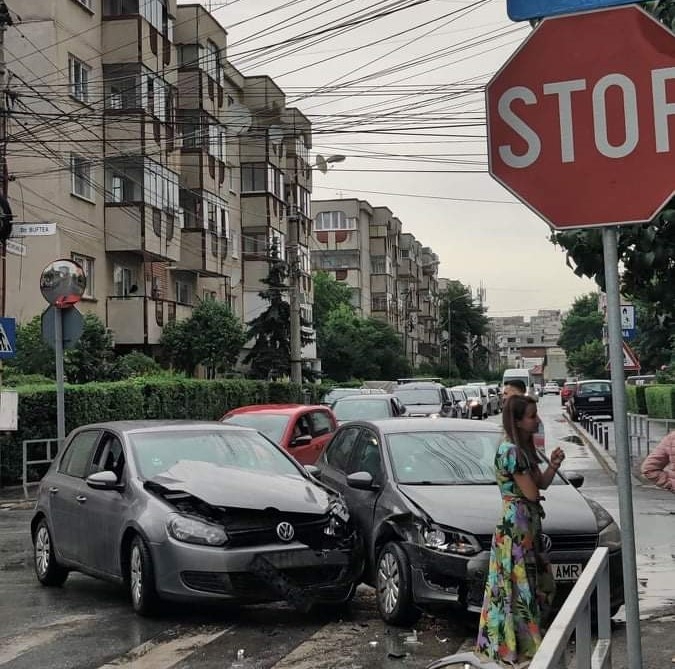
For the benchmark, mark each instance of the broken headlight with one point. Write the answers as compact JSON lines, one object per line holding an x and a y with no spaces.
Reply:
{"x":450,"y":541}
{"x":195,"y":531}
{"x":338,"y":517}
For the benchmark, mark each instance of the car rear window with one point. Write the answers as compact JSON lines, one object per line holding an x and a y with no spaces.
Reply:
{"x":351,"y":409}
{"x":271,"y":425}
{"x":593,"y":388}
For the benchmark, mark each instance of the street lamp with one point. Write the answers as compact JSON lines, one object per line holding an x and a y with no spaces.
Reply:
{"x":294,"y":289}
{"x":450,"y":301}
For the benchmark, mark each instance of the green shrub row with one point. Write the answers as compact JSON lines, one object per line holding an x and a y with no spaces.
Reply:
{"x":635,"y":399}
{"x":659,"y":401}
{"x":138,"y":398}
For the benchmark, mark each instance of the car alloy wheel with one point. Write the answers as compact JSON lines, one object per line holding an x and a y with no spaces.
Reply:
{"x":47,"y":569}
{"x":141,"y":578}
{"x":393,"y":587}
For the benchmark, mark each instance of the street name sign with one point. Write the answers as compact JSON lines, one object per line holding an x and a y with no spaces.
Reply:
{"x":524,"y":10}
{"x":580,"y":119}
{"x":38,"y":229}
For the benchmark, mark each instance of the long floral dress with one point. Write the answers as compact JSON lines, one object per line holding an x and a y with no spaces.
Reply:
{"x":510,"y":620}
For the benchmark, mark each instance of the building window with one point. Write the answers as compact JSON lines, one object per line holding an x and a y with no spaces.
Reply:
{"x":333,"y":220}
{"x":183,"y":292}
{"x":80,"y":169}
{"x":253,"y":178}
{"x":123,"y":281}
{"x":87,"y":265}
{"x":212,"y":61}
{"x":78,"y":77}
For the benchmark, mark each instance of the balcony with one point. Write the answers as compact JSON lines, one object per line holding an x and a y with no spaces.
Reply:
{"x":202,"y":252}
{"x":138,"y":319}
{"x":141,"y":229}
{"x":408,"y":268}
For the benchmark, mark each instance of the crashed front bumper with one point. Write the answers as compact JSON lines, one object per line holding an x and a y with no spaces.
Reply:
{"x":254,"y":573}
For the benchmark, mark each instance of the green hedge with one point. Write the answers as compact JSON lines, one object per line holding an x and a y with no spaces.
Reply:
{"x":138,"y":398}
{"x":660,"y":400}
{"x":631,"y":399}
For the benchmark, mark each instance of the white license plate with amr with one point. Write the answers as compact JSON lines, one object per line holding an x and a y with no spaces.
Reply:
{"x":596,"y":399}
{"x":567,"y":571}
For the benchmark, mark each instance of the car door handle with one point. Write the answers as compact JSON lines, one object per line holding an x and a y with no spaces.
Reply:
{"x":53,"y":490}
{"x":81,"y":499}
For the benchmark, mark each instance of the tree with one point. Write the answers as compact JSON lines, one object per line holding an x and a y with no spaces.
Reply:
{"x":582,"y":324}
{"x":365,"y":348}
{"x":588,"y":361}
{"x":270,"y":356}
{"x":213,"y":337}
{"x":329,"y":294}
{"x":33,"y":354}
{"x":92,"y":358}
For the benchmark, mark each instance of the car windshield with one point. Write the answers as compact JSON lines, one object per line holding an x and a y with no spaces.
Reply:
{"x":351,"y":409}
{"x":443,"y":458}
{"x":156,"y":452}
{"x":413,"y":396}
{"x":471,"y":392}
{"x":458,"y":395}
{"x":272,"y":425}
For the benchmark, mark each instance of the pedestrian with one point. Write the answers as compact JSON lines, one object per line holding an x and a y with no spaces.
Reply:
{"x":518,"y":387}
{"x":659,"y":465}
{"x":519,"y":582}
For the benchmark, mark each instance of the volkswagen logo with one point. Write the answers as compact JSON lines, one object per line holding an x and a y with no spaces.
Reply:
{"x":545,"y":542}
{"x":285,"y":531}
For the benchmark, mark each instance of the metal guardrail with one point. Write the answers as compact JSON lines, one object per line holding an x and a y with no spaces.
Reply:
{"x":573,"y":618}
{"x":648,"y":431}
{"x":46,"y":451}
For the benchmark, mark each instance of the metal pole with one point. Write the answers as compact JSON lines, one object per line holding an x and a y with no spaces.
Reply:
{"x":60,"y":404}
{"x":449,"y":341}
{"x":5,"y":20}
{"x":293,"y":296}
{"x":609,"y":246}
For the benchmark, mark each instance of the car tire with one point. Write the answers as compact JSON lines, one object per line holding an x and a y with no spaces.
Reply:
{"x":141,"y":578}
{"x":393,"y":587}
{"x":47,"y":569}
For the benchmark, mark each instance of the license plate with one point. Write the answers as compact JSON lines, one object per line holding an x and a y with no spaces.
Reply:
{"x":567,"y":571}
{"x":596,"y":399}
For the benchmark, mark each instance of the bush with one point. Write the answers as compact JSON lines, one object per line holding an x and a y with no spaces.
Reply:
{"x":631,"y":399}
{"x":133,"y":364}
{"x":660,"y":401}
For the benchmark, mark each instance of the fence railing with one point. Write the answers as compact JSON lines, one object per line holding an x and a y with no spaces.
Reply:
{"x":575,"y":617}
{"x":37,"y":454}
{"x":645,"y":432}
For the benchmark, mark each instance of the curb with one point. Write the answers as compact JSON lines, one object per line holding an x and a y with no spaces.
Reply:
{"x":605,"y":460}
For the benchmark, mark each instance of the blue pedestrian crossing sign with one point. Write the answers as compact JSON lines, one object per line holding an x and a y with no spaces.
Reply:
{"x":7,"y":338}
{"x":524,"y":10}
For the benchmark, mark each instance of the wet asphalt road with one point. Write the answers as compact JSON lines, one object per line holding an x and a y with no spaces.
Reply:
{"x":87,"y":624}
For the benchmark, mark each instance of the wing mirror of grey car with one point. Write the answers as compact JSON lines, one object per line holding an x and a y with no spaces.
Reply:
{"x":302,"y":440}
{"x":106,"y":480}
{"x":313,"y":470}
{"x":576,"y":479}
{"x":361,"y":481}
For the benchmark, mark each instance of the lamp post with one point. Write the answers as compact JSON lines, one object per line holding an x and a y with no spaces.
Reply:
{"x":450,"y":301}
{"x":295,"y":271}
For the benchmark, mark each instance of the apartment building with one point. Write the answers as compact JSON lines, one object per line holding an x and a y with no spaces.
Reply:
{"x":168,"y":173}
{"x":392,"y":276}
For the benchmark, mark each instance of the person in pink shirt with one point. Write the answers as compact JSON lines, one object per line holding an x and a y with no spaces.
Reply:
{"x":659,"y":465}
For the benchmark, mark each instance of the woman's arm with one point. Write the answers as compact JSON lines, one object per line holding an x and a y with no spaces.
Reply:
{"x":527,"y":485}
{"x":654,"y":465}
{"x":543,"y":479}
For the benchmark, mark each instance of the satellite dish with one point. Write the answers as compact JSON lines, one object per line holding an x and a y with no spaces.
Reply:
{"x":276,"y":134}
{"x":321,"y":164}
{"x":238,"y":118}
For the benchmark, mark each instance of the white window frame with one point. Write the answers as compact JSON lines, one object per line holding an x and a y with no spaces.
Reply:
{"x":123,"y":279}
{"x":183,"y":292}
{"x":78,"y":176}
{"x":87,"y":265}
{"x":78,"y":78}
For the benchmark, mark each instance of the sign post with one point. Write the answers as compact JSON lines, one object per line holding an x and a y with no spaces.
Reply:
{"x":584,"y":140}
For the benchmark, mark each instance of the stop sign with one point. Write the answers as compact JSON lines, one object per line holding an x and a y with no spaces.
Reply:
{"x":580,"y":119}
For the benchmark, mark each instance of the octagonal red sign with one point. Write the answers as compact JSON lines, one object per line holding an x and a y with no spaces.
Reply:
{"x":581,"y":119}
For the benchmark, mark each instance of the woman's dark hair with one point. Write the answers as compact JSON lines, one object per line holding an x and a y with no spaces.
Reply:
{"x":513,"y":411}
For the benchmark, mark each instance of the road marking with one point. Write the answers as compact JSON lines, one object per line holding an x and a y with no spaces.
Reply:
{"x":20,"y":644}
{"x":155,"y":654}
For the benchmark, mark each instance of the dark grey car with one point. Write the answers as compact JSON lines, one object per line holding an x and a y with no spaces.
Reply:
{"x":424,"y":496}
{"x":183,"y":510}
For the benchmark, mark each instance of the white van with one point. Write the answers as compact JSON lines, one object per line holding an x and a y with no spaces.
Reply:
{"x":524,"y":375}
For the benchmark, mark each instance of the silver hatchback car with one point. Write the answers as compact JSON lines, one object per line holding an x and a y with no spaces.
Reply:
{"x":183,"y":510}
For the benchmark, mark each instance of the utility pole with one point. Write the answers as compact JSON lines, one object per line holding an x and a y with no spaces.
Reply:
{"x":5,"y":227}
{"x":294,"y":288}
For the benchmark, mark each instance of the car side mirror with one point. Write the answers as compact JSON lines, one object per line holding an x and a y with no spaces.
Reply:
{"x":302,"y":440}
{"x":576,"y":479}
{"x":361,"y":481}
{"x":106,"y":480}
{"x":313,"y":470}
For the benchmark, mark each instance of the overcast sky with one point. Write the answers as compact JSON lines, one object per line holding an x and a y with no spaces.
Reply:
{"x":412,"y":84}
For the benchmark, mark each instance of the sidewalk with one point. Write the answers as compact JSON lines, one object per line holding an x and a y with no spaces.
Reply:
{"x":12,"y":497}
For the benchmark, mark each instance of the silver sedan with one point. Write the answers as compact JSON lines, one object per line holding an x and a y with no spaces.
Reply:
{"x":183,"y":510}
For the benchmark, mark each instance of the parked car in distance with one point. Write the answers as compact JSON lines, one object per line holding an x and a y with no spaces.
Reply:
{"x":186,"y":510}
{"x":368,"y":407}
{"x":424,"y":497}
{"x":551,"y":388}
{"x":459,"y":399}
{"x":477,"y":401}
{"x":592,"y":397}
{"x":641,"y":379}
{"x":567,"y":391}
{"x":300,"y":429}
{"x":337,"y":393}
{"x":424,"y":398}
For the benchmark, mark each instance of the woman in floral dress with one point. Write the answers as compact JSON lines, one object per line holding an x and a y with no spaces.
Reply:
{"x":519,"y":580}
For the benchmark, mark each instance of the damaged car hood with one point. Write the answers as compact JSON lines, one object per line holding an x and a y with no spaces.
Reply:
{"x":478,"y":507}
{"x":242,"y":488}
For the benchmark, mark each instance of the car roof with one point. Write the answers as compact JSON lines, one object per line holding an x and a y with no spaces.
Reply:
{"x":159,"y":425}
{"x":371,"y":397}
{"x":417,"y":385}
{"x":400,"y":425}
{"x":281,"y":409}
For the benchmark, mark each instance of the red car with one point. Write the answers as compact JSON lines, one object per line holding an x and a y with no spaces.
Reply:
{"x":300,"y":429}
{"x":567,"y":391}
